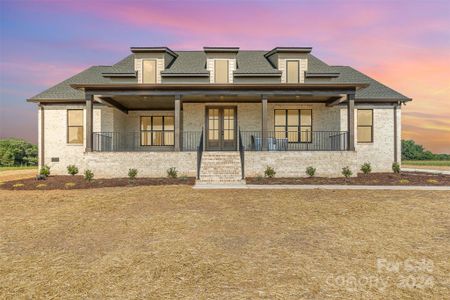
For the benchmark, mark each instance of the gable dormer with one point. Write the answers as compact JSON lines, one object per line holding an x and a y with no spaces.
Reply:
{"x":221,"y":63}
{"x":149,"y":62}
{"x":291,"y":61}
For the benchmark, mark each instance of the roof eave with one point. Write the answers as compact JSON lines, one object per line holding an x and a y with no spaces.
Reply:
{"x":288,"y":50}
{"x":257,"y":74}
{"x":153,"y":50}
{"x":184,"y":74}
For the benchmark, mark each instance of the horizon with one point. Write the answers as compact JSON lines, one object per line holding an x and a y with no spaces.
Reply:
{"x":406,"y":48}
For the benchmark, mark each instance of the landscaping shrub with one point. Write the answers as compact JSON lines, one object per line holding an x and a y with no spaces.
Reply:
{"x":172,"y":172}
{"x":396,"y":168}
{"x":269,"y":172}
{"x":45,"y":171}
{"x":88,"y":175}
{"x":310,"y":171}
{"x":72,"y":170}
{"x":366,"y":168}
{"x":41,"y":177}
{"x":132,"y":173}
{"x":347,"y":172}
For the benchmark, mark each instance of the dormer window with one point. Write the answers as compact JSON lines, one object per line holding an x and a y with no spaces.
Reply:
{"x":149,"y":71}
{"x":292,"y":71}
{"x":221,"y":70}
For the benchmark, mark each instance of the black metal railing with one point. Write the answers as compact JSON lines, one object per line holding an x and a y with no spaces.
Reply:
{"x":295,"y":141}
{"x":149,"y":140}
{"x":241,"y":153}
{"x":190,"y":140}
{"x":199,"y":154}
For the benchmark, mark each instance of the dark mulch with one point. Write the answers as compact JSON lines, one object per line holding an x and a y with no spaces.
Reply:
{"x":404,"y":178}
{"x":78,"y":182}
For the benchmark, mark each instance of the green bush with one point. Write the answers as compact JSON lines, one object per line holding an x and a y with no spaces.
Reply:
{"x":88,"y":175}
{"x":172,"y":172}
{"x":269,"y":172}
{"x":45,"y":171}
{"x":132,"y":173}
{"x":72,"y":170}
{"x":310,"y":171}
{"x":396,"y":168}
{"x":347,"y":172}
{"x":366,"y":168}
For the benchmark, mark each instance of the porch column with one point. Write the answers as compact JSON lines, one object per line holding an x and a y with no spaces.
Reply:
{"x":177,"y":143}
{"x":264,"y":123}
{"x":89,"y":121}
{"x":351,"y":121}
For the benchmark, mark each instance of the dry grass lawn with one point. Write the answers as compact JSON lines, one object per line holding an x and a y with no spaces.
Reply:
{"x":175,"y":242}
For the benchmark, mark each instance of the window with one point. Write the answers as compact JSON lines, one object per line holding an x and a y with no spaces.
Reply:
{"x":157,"y":131}
{"x":221,"y":71}
{"x":294,"y":124}
{"x":365,"y":125}
{"x":292,"y":71}
{"x":75,"y":126}
{"x":149,"y":71}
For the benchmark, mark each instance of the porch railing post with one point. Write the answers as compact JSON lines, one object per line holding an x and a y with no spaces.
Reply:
{"x":264,"y":123}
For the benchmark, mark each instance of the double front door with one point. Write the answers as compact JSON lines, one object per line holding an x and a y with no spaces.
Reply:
{"x":221,"y":134}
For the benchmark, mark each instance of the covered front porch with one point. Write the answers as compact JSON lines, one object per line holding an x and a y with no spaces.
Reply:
{"x":246,"y":118}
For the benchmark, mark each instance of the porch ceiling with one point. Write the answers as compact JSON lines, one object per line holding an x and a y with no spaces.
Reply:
{"x":136,"y":102}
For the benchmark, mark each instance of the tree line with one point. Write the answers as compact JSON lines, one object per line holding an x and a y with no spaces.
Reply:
{"x":17,"y":152}
{"x":413,"y":151}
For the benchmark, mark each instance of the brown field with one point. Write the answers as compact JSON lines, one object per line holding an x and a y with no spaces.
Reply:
{"x":176,"y":242}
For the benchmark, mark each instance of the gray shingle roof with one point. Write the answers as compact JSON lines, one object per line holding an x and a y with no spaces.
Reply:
{"x":248,"y":62}
{"x":188,"y":62}
{"x":254,"y":62}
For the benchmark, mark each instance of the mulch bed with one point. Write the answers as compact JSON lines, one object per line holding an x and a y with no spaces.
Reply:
{"x":404,"y":178}
{"x":78,"y":182}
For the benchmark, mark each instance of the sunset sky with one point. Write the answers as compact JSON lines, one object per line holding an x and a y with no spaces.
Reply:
{"x":403,"y":44}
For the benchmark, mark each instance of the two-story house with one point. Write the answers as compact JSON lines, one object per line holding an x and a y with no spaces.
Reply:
{"x":219,"y":114}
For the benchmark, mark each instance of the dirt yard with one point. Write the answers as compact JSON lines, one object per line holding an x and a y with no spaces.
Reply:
{"x":8,"y":175}
{"x":175,"y":242}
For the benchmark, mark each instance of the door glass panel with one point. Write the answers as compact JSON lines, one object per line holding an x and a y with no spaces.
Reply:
{"x":228,"y":124}
{"x":213,"y":124}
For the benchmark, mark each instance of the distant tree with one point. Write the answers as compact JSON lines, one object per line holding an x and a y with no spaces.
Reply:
{"x":413,"y":151}
{"x":17,"y":152}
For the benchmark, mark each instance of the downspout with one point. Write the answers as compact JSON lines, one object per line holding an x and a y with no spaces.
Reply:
{"x":395,"y":134}
{"x":41,"y":158}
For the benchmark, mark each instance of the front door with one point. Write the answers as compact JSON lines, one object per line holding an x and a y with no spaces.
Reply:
{"x":221,"y":128}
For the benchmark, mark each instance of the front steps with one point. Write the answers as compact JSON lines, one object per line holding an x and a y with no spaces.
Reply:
{"x":221,"y":167}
